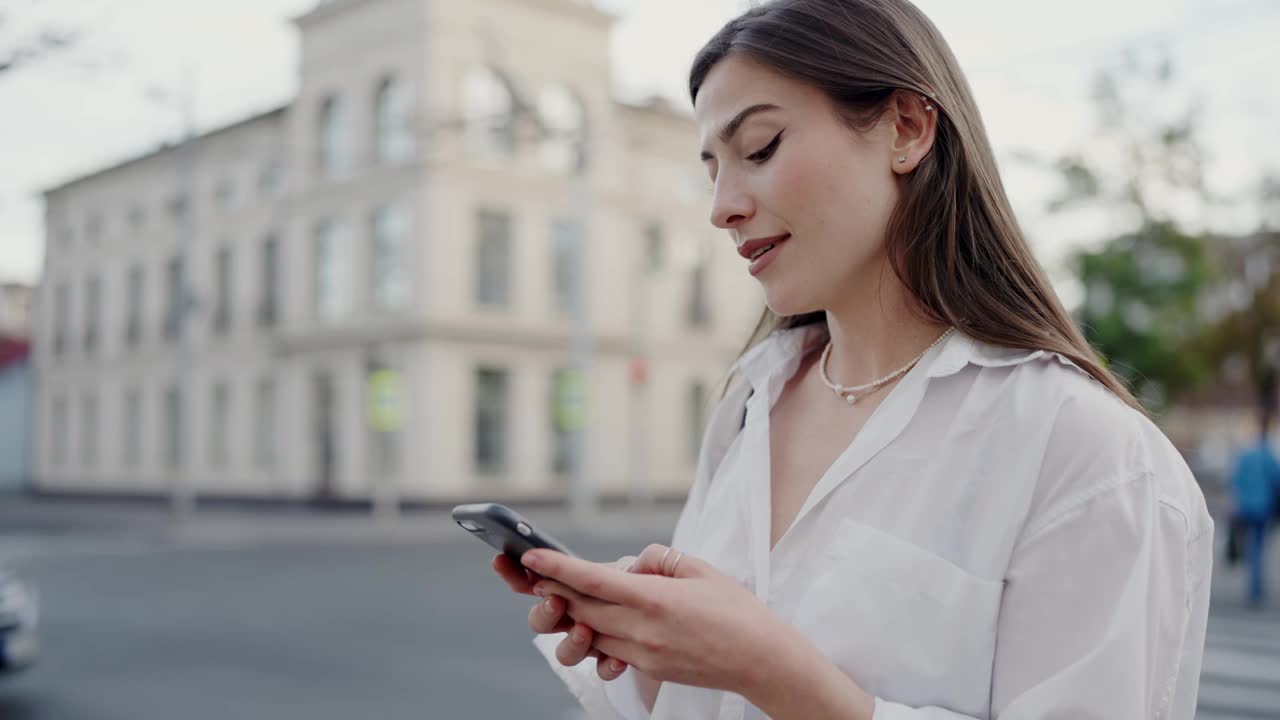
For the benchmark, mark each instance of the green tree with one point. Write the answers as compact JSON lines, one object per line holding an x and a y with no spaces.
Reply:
{"x":1142,"y":169}
{"x":1245,"y":308}
{"x":1140,"y":310}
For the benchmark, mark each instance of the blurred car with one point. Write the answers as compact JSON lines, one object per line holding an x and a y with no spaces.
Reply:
{"x":19,"y":615}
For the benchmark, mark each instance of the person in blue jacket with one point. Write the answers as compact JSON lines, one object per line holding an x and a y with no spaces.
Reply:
{"x":1256,"y":482}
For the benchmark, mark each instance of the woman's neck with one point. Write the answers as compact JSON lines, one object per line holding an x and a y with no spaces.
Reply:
{"x":876,"y":332}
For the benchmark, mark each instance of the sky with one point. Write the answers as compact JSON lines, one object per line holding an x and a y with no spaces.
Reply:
{"x":1030,"y":63}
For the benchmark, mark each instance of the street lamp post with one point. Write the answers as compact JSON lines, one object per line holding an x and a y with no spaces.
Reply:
{"x":582,"y":495}
{"x":582,"y":500}
{"x":182,"y":496}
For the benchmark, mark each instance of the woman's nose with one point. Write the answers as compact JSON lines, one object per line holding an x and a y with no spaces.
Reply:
{"x":730,"y":207}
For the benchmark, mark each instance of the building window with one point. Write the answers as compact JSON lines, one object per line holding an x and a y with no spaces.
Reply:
{"x":133,"y":314}
{"x":697,"y":418}
{"x":561,"y":437}
{"x":332,"y":272}
{"x":61,"y":317}
{"x":487,"y":107}
{"x":393,"y":110}
{"x":174,"y":305}
{"x":493,"y":259}
{"x":699,"y":300}
{"x":93,"y":229}
{"x":60,"y":429}
{"x":132,"y":454}
{"x":88,"y":430}
{"x":335,"y":137}
{"x":222,"y":291}
{"x":264,"y":417}
{"x":390,"y":266}
{"x":268,"y":304}
{"x":563,"y":263}
{"x":224,"y":195}
{"x":219,"y":422}
{"x":92,"y":307}
{"x":271,"y":180}
{"x":177,"y":207}
{"x":563,"y":117}
{"x":137,"y":217}
{"x":172,"y":427}
{"x":492,"y":416}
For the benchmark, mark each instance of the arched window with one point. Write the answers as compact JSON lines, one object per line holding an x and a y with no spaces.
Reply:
{"x":334,"y":136}
{"x":393,"y":120}
{"x":487,"y":106}
{"x":564,"y":119}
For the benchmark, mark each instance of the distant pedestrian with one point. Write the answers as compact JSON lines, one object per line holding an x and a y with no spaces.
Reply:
{"x":1255,"y":482}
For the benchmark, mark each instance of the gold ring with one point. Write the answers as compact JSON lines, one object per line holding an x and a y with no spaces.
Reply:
{"x":663,"y":561}
{"x":677,"y":562}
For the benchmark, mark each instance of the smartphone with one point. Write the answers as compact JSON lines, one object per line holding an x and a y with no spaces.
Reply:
{"x":504,"y":529}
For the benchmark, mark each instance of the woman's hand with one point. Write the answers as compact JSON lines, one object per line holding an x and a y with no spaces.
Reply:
{"x":549,"y":617}
{"x":698,"y":628}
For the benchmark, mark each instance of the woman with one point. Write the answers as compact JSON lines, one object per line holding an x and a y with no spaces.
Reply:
{"x":924,"y":498}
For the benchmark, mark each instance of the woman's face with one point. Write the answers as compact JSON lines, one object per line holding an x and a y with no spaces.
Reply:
{"x":786,"y":167}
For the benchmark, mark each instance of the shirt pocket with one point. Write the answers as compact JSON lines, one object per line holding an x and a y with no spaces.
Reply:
{"x":906,"y":624}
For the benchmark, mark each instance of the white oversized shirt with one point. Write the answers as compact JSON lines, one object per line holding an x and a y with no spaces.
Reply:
{"x":1004,"y":538}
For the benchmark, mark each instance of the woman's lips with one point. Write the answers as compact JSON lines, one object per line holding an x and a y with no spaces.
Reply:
{"x":766,"y":258}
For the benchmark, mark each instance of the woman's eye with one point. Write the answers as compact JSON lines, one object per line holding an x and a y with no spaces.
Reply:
{"x":765,"y":152}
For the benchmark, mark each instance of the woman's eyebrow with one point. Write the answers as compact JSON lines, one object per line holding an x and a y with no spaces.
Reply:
{"x":731,"y":128}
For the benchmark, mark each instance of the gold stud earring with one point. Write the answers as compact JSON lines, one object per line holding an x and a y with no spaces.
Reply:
{"x":902,"y":158}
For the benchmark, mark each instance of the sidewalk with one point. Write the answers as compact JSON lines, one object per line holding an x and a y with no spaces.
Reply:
{"x":40,"y":525}
{"x":28,"y":522}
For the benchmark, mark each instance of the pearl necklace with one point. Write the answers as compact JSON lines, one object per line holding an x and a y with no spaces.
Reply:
{"x":854,"y":393}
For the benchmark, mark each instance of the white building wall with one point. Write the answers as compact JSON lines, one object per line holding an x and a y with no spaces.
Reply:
{"x":644,"y":170}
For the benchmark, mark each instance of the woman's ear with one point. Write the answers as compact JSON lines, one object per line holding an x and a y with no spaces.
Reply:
{"x":915,"y":124}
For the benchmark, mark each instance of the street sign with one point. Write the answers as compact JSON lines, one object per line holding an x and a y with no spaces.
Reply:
{"x":384,"y":400}
{"x":571,"y":400}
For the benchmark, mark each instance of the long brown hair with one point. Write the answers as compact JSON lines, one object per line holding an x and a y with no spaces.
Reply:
{"x":953,"y":240}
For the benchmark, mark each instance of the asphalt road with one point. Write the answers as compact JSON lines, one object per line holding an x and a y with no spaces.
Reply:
{"x":418,"y":630}
{"x":300,"y":615}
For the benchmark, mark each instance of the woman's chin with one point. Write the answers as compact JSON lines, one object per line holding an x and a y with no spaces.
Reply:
{"x":787,"y":302}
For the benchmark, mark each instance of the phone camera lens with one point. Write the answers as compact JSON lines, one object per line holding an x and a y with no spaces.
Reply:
{"x":468,"y":525}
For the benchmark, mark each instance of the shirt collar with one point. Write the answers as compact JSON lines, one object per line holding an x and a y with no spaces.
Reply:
{"x":785,"y":347}
{"x":780,"y":352}
{"x":961,"y":350}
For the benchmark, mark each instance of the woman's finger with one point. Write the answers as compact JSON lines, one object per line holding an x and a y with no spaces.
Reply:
{"x":576,"y":646}
{"x":546,"y":616}
{"x":601,"y":616}
{"x":601,"y":581}
{"x":610,"y":668}
{"x":516,"y":576}
{"x":660,"y":560}
{"x":615,"y":649}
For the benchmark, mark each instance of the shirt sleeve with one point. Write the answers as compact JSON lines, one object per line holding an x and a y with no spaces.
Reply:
{"x":615,"y":700}
{"x":1103,"y":615}
{"x":620,"y":699}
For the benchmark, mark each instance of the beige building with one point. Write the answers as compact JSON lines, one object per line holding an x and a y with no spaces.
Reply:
{"x":412,"y":210}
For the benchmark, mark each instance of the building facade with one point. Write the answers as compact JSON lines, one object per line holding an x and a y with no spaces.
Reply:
{"x":401,"y":235}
